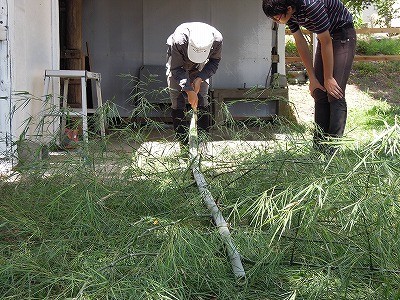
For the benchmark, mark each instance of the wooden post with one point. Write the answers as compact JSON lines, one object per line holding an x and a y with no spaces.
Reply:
{"x":73,"y":53}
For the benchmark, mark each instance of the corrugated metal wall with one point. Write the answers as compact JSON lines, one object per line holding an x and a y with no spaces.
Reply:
{"x":124,"y":35}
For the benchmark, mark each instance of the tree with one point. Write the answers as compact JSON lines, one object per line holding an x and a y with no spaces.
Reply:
{"x":358,"y":5}
{"x":386,"y":11}
{"x":384,"y":7}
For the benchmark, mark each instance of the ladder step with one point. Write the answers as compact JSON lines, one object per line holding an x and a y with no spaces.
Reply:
{"x":73,"y":112}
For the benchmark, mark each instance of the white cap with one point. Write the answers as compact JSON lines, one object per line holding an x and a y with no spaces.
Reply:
{"x":201,"y":39}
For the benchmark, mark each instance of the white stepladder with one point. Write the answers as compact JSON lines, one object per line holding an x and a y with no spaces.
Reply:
{"x":79,"y":112}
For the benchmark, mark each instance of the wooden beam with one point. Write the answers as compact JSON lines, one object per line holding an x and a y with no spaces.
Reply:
{"x":378,"y":30}
{"x":74,"y":46}
{"x":376,"y":57}
{"x":292,"y":59}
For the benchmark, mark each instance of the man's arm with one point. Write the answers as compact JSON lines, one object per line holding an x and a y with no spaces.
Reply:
{"x":181,"y":75}
{"x":178,"y":72}
{"x":305,"y":55}
{"x":211,"y":66}
{"x":330,"y":84}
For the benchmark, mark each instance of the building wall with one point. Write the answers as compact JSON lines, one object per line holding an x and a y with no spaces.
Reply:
{"x":5,"y":90}
{"x":114,"y":33}
{"x":31,"y":41}
{"x":31,"y":51}
{"x":123,"y":35}
{"x":126,"y":34}
{"x":396,"y":21}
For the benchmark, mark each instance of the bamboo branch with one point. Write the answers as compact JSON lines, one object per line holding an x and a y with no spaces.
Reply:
{"x":112,"y":264}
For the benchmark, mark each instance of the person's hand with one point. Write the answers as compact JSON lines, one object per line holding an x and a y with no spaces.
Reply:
{"x":314,"y":84}
{"x":333,"y":88}
{"x":196,"y":84}
{"x":193,"y":99}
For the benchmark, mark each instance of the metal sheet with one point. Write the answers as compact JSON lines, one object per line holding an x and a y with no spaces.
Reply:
{"x":247,"y":35}
{"x":124,"y":35}
{"x":114,"y":33}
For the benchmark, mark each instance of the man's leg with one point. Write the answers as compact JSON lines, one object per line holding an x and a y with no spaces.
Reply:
{"x":321,"y":118}
{"x":180,"y":128}
{"x":203,"y":121}
{"x":343,"y":50}
{"x":178,"y":111}
{"x":331,"y":113}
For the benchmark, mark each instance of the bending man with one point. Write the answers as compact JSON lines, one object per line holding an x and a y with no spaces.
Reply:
{"x":193,"y":56}
{"x":333,"y":24}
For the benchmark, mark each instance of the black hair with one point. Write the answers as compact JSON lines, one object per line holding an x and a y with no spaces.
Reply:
{"x":276,"y":7}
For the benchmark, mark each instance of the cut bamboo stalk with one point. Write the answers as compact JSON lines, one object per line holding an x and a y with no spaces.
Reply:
{"x":209,"y":201}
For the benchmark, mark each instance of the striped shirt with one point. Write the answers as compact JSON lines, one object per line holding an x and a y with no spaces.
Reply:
{"x":319,"y":16}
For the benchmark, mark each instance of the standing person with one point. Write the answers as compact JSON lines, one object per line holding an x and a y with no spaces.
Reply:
{"x":333,"y":24}
{"x":193,"y":56}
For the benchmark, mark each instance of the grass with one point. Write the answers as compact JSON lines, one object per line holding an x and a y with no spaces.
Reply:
{"x":374,"y":46}
{"x":290,"y":48}
{"x":302,"y":229}
{"x":379,"y":81}
{"x":117,"y":225}
{"x":375,"y":118}
{"x":366,"y":45}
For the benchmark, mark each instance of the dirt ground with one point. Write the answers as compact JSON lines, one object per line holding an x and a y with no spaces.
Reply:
{"x":304,"y":104}
{"x":368,"y":83}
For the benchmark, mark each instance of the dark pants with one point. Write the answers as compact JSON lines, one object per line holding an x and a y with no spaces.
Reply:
{"x":181,"y":126}
{"x":331,"y":113}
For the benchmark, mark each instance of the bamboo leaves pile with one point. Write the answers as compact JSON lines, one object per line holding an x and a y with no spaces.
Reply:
{"x":307,"y":226}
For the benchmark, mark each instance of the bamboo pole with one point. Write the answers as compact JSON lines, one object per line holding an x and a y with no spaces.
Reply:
{"x":209,"y":201}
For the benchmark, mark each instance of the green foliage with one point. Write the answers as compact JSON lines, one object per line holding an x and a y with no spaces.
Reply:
{"x":103,"y":223}
{"x":377,"y":117}
{"x":374,"y":46}
{"x":134,"y":226}
{"x":379,"y":80}
{"x":357,"y":20}
{"x":366,"y":68}
{"x":386,"y":11}
{"x":370,"y":68}
{"x":291,"y":49}
{"x":358,"y":5}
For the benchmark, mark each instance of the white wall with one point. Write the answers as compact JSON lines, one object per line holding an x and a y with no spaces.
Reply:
{"x":5,"y":89}
{"x":247,"y":44}
{"x":31,"y":47}
{"x":114,"y":33}
{"x":32,"y":38}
